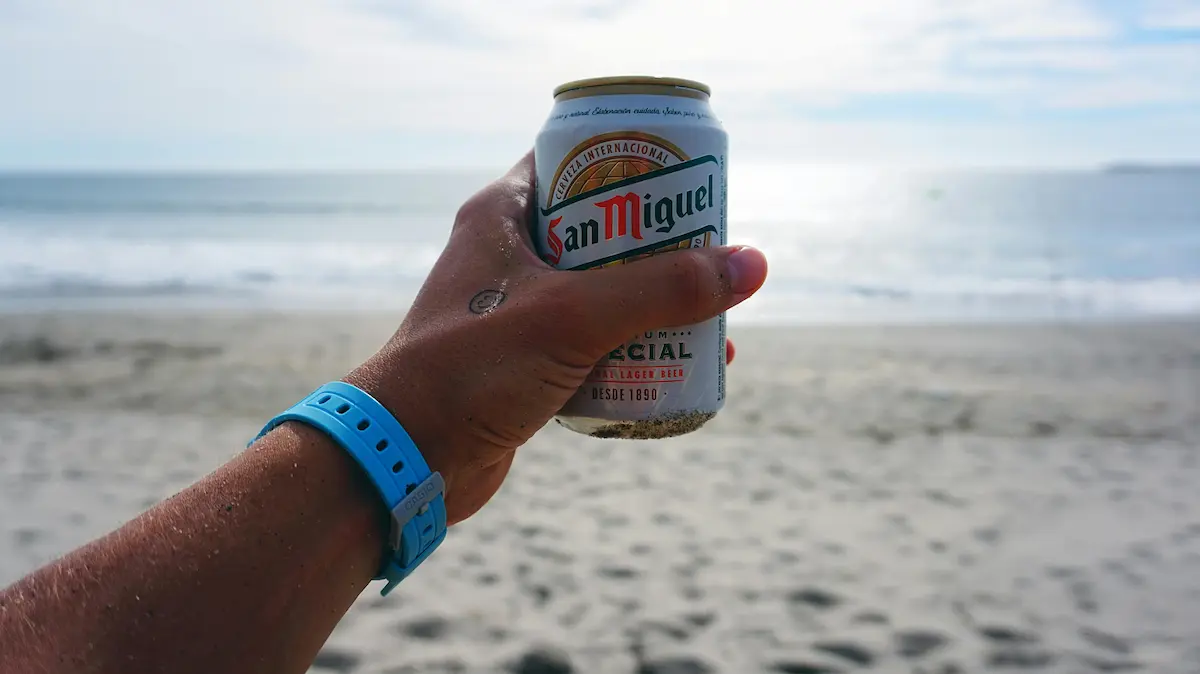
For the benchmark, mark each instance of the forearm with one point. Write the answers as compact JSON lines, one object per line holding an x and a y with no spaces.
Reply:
{"x":248,"y":570}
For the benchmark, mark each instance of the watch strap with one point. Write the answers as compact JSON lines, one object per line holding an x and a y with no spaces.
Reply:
{"x":414,"y":495}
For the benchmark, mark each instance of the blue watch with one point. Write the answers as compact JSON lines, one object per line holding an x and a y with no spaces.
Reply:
{"x":414,"y":495}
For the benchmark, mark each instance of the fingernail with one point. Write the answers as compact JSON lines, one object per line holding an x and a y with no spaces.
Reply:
{"x":747,"y":271}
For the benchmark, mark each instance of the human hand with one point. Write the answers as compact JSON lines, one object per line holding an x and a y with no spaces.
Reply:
{"x":497,"y":341}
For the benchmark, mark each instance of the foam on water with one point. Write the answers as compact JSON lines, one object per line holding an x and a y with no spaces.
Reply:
{"x":65,"y":269}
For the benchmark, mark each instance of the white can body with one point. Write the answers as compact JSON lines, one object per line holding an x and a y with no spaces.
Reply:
{"x":626,"y":172}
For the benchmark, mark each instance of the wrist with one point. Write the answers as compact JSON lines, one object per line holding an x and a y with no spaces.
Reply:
{"x":445,"y":422}
{"x":411,"y":407}
{"x":369,"y":433}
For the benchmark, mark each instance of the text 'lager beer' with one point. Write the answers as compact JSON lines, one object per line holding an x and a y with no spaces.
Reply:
{"x":627,"y":168}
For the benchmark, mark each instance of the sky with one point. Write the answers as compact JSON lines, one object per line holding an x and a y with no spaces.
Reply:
{"x":375,"y":84}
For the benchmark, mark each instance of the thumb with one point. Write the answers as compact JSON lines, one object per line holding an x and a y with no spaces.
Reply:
{"x":676,"y":288}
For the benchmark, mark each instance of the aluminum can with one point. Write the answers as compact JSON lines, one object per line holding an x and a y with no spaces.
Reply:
{"x":627,"y":168}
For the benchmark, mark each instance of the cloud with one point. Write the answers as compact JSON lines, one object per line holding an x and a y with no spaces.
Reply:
{"x":468,"y":75}
{"x":1096,"y":75}
{"x":1173,"y":15}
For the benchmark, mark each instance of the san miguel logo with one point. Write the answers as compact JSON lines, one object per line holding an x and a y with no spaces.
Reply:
{"x":625,"y":186}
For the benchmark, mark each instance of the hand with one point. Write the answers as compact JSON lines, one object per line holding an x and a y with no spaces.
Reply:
{"x":497,"y":341}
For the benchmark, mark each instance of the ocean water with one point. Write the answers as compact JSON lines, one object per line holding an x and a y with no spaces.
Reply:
{"x":844,"y":244}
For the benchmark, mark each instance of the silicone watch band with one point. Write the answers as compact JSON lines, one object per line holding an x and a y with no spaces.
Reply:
{"x":413,"y":494}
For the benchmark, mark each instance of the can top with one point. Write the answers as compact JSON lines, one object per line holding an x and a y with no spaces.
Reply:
{"x":672,"y":86}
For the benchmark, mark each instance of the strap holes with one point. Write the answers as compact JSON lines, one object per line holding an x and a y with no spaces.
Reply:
{"x":343,"y":408}
{"x":363,"y":425}
{"x":409,"y":489}
{"x":428,"y":530}
{"x":323,"y":400}
{"x":399,"y":466}
{"x":381,"y":446}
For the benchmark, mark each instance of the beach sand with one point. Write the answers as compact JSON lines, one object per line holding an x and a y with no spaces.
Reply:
{"x":899,"y":499}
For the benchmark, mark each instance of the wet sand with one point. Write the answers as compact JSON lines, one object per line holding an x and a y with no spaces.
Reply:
{"x":900,"y":499}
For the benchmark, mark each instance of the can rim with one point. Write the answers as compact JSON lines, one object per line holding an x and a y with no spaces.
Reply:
{"x":645,"y":80}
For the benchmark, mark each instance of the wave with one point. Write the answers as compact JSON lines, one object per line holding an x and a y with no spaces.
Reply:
{"x":38,"y":266}
{"x":976,"y":299}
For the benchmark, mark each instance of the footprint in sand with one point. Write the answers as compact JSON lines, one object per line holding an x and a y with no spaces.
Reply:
{"x":336,"y":660}
{"x":676,"y":665}
{"x":542,"y":660}
{"x":427,"y":629}
{"x":918,"y":643}
{"x":847,"y":650}
{"x":801,"y":667}
{"x":814,"y":597}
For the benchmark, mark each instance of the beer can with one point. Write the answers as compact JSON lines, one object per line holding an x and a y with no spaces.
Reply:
{"x":627,"y":168}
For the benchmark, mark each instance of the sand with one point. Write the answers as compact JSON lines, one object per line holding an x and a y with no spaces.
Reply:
{"x":900,"y":499}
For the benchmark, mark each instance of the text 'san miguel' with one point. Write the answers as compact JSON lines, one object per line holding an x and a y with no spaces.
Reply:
{"x":626,"y":215}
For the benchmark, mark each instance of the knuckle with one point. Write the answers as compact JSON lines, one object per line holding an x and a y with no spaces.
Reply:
{"x":514,"y":192}
{"x":473,"y":207}
{"x":505,"y":198}
{"x":466,"y":213}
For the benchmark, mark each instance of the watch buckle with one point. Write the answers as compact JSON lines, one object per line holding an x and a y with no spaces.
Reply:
{"x":415,"y":503}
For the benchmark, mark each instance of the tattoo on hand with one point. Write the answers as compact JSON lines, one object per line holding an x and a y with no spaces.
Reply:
{"x":485,"y":301}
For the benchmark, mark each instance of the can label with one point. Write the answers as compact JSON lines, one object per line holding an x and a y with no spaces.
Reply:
{"x":654,"y":200}
{"x":621,"y":196}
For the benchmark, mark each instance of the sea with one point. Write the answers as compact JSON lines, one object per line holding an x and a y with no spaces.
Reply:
{"x":845,"y":244}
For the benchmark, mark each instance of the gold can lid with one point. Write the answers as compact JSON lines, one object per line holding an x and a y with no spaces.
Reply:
{"x":637,"y":80}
